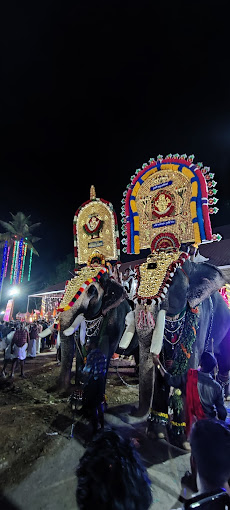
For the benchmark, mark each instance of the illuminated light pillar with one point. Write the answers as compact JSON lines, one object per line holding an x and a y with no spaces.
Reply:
{"x":3,"y":265}
{"x":7,"y":260}
{"x":20,"y":248}
{"x":13,"y":262}
{"x":23,"y":263}
{"x":16,"y":262}
{"x":30,"y":264}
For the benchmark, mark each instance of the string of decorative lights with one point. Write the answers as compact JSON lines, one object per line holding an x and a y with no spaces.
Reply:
{"x":23,"y":263}
{"x":16,"y":262}
{"x":3,"y":263}
{"x":7,"y":260}
{"x":20,"y":246}
{"x":13,"y":262}
{"x":30,"y":264}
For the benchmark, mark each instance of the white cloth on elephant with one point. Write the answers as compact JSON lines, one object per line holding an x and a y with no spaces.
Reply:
{"x":20,"y":352}
{"x":32,"y":348}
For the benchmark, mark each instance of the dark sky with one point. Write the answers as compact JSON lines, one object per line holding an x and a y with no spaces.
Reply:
{"x":91,"y":90}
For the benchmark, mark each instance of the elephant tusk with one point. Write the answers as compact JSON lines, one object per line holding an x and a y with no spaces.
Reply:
{"x":46,"y":332}
{"x":129,"y":331}
{"x":158,"y":333}
{"x":82,"y":332}
{"x":74,"y":326}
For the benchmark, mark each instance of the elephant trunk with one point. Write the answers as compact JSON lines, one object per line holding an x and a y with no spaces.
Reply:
{"x":146,"y":380}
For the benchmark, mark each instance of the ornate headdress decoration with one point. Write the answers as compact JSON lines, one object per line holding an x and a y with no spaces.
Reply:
{"x":96,"y":241}
{"x":95,"y":228}
{"x":78,"y":284}
{"x":167,"y":203}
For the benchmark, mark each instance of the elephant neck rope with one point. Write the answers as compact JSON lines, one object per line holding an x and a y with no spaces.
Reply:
{"x":185,"y":341}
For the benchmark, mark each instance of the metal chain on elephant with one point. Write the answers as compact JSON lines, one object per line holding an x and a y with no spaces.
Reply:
{"x":123,"y":381}
{"x":93,"y":326}
{"x":174,"y":340}
{"x":206,"y":346}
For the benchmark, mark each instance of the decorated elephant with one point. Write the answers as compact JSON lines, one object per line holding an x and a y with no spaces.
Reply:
{"x":191,"y":317}
{"x":98,"y":305}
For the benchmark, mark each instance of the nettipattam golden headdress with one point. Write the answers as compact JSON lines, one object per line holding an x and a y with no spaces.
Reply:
{"x":78,"y":284}
{"x":156,"y":274}
{"x":95,"y":227}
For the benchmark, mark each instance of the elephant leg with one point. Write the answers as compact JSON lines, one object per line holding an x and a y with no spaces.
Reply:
{"x":79,"y":364}
{"x":67,"y":354}
{"x":158,"y":418}
{"x":177,"y":428}
{"x":146,"y":380}
{"x":224,"y":380}
{"x":137,"y":360}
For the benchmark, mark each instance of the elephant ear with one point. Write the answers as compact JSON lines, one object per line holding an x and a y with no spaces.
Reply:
{"x":114,"y":294}
{"x":204,"y":280}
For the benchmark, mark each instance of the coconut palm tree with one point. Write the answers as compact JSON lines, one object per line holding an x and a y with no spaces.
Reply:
{"x":19,"y":228}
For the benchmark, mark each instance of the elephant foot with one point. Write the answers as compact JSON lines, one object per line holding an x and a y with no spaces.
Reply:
{"x":156,"y":430}
{"x":186,"y":446}
{"x":180,"y":441}
{"x":137,"y":412}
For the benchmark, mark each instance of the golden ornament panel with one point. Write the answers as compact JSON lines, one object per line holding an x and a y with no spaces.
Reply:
{"x":153,"y":271}
{"x":96,"y":230}
{"x":163,"y":205}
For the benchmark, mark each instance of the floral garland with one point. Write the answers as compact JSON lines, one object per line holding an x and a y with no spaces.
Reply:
{"x":183,"y":355}
{"x":189,"y":336}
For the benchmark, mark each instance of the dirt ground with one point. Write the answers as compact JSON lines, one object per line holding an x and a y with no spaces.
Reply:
{"x":33,"y":412}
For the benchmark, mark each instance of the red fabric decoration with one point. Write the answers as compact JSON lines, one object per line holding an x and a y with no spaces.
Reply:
{"x":194,"y":410}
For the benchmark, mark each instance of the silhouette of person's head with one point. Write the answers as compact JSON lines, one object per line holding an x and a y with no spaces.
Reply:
{"x":111,"y":476}
{"x":210,"y":447}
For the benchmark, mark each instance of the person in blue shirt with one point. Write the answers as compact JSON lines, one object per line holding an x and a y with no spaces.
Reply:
{"x":94,"y":386}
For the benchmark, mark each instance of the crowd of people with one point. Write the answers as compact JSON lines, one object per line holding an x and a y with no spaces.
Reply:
{"x":20,"y":340}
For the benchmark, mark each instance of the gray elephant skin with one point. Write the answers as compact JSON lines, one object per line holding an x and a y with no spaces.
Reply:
{"x":107,"y":300}
{"x":193,"y":285}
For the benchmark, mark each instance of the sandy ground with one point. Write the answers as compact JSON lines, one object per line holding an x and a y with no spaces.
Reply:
{"x":39,"y":455}
{"x":32,"y":410}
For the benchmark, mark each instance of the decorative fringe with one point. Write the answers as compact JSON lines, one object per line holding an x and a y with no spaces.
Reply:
{"x":145,"y":320}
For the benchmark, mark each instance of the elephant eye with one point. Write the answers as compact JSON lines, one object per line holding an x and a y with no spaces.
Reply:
{"x":152,"y":265}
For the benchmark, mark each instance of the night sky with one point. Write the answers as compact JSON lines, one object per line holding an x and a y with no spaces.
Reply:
{"x":92,"y":90}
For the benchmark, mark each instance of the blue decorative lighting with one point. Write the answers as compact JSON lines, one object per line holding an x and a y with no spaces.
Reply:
{"x":3,"y":263}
